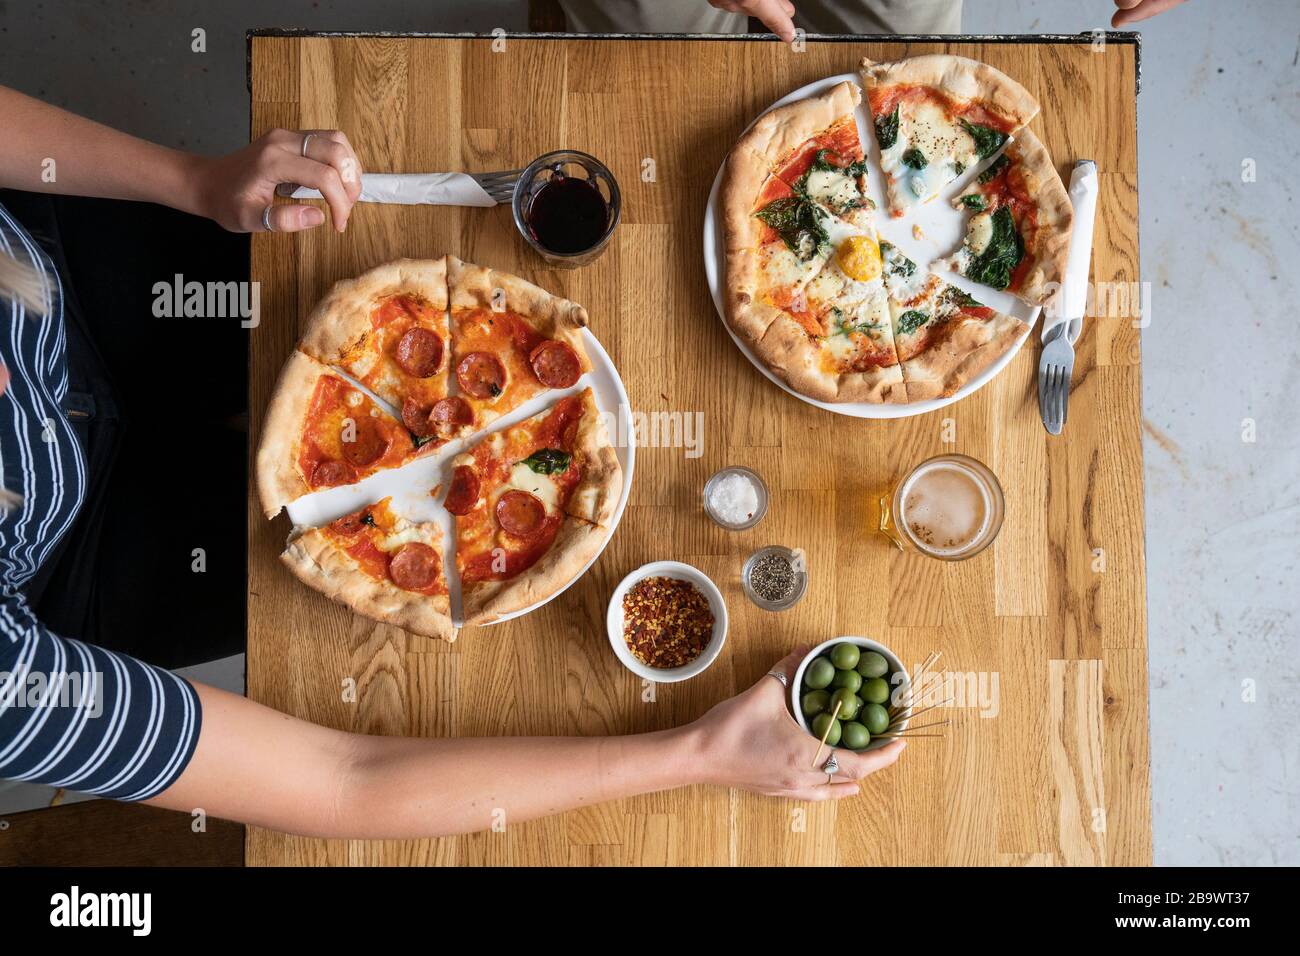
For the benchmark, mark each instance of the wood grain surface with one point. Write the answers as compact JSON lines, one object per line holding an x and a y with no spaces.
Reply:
{"x":1052,"y":768}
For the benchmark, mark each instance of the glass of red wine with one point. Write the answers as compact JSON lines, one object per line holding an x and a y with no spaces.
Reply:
{"x":566,"y":205}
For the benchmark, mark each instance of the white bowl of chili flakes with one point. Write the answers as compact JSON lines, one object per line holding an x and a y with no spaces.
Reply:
{"x":673,"y":616}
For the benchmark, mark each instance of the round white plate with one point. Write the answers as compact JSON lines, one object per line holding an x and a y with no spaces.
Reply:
{"x":410,"y":484}
{"x":942,"y":229}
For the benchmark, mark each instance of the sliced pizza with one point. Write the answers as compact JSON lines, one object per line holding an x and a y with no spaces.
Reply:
{"x":380,"y":565}
{"x":936,"y":116}
{"x":944,"y":337}
{"x":511,"y":340}
{"x":813,"y":146}
{"x":533,"y":504}
{"x":387,"y":328}
{"x":1018,"y":237}
{"x":321,"y":431}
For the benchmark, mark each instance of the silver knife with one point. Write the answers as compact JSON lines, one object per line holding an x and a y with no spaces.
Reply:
{"x":1063,"y":322}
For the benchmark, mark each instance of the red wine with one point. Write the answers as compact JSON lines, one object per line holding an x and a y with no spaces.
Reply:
{"x":568,"y":215}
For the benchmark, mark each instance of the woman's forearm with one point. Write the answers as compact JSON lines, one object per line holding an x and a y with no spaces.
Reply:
{"x":46,"y":149}
{"x":259,"y":766}
{"x":408,"y":787}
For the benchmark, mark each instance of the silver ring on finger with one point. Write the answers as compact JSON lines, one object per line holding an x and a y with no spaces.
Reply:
{"x":306,"y":138}
{"x":830,"y":767}
{"x":780,"y":676}
{"x":266,"y":218}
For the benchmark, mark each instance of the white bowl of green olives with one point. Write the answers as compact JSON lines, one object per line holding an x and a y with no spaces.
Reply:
{"x":868,"y":682}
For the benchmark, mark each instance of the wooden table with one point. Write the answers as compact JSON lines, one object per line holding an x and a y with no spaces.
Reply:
{"x":1055,"y":610}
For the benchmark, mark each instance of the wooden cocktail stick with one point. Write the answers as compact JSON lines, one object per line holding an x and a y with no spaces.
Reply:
{"x":821,"y":745}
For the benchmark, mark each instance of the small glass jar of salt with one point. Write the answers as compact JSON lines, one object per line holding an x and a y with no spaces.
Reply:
{"x":736,"y":498}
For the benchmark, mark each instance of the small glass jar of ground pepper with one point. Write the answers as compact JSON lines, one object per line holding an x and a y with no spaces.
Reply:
{"x":667,"y":622}
{"x":775,"y":577}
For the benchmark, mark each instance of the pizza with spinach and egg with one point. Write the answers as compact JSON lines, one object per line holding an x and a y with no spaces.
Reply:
{"x":1018,"y":236}
{"x":533,"y":504}
{"x":803,"y":280}
{"x":944,"y":337}
{"x":380,"y":565}
{"x":936,"y":116}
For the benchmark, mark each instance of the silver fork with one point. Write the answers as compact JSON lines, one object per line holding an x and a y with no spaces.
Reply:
{"x":499,"y":185}
{"x":1054,"y":370}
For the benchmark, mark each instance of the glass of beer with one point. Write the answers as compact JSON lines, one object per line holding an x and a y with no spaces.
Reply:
{"x":949,"y":507}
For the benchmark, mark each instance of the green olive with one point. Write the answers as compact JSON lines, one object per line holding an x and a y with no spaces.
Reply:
{"x":854,"y":736}
{"x":850,"y":679}
{"x":819,"y":674}
{"x":876,"y":718}
{"x":850,"y":703}
{"x":845,"y":656}
{"x":819,"y":725}
{"x":875,"y":690}
{"x":872,"y":664}
{"x":814,"y":702}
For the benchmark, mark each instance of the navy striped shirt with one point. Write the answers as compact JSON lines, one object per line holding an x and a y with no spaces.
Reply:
{"x":71,"y":715}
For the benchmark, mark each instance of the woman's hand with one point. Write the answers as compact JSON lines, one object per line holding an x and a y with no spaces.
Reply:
{"x":775,"y":14}
{"x":1131,"y":11}
{"x":752,"y":742}
{"x":235,"y":190}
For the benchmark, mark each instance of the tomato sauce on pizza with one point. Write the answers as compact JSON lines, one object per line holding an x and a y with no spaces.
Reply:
{"x":376,"y":539}
{"x":509,"y":494}
{"x":346,"y":436}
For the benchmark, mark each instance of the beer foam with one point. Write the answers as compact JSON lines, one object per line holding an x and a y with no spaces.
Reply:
{"x":946,"y":508}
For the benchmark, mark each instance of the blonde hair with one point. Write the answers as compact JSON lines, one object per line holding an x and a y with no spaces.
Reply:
{"x":21,"y":283}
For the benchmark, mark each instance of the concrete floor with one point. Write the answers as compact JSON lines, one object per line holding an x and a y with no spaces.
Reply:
{"x":1223,"y":513}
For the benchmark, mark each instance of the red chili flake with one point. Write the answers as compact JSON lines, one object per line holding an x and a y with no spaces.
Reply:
{"x":666,"y":622}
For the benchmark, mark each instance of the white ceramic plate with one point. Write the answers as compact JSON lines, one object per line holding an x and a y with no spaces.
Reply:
{"x":681,"y":572}
{"x":410,"y":485}
{"x":942,"y":231}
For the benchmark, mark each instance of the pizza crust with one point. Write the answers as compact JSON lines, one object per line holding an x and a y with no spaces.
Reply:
{"x":795,"y":358}
{"x":320,"y":564}
{"x":576,"y":543}
{"x":472,"y":286}
{"x":743,"y":178}
{"x":279,"y":480}
{"x":960,"y":78}
{"x":595,"y":498}
{"x":779,"y":132}
{"x":341,"y":320}
{"x":963,"y":353}
{"x":1051,"y":239}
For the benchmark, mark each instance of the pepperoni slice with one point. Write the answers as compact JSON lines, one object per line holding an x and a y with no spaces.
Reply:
{"x":351,"y":524}
{"x":520,"y":513}
{"x":415,"y":416}
{"x":555,"y":364}
{"x":481,"y":375}
{"x":367,"y":444}
{"x":332,"y":472}
{"x":452,"y":410}
{"x":463,"y":494}
{"x":413,"y":566}
{"x":419,"y":352}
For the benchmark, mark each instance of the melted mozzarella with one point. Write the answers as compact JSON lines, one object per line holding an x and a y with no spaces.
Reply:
{"x":542,"y":487}
{"x":979,"y":232}
{"x":404,"y":535}
{"x":834,"y":188}
{"x":944,"y":144}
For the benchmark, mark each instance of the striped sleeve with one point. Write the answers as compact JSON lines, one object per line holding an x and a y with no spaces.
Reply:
{"x":77,"y":716}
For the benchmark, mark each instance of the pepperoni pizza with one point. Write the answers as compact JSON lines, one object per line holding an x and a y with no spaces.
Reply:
{"x":395,"y":364}
{"x":533,"y":504}
{"x":380,"y":565}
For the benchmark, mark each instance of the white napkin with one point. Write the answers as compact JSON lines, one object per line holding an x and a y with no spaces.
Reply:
{"x":411,"y":189}
{"x":1073,"y":300}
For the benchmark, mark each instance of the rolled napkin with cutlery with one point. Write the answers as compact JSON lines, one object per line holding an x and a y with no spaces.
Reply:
{"x":414,"y":189}
{"x":1063,"y":318}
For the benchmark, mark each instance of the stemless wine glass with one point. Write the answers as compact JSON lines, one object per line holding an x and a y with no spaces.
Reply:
{"x":548,"y":170}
